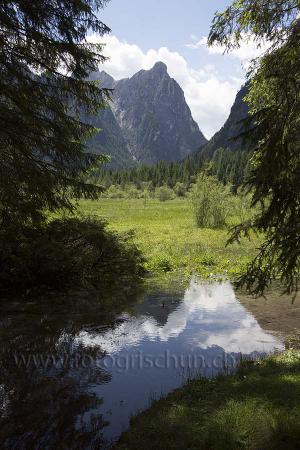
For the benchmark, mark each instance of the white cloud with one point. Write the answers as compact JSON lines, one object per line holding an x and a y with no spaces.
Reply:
{"x":203,"y":304}
{"x":209,"y":97}
{"x":248,"y":50}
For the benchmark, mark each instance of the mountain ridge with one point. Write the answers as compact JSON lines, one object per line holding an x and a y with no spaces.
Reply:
{"x":229,"y":136}
{"x":148,"y":119}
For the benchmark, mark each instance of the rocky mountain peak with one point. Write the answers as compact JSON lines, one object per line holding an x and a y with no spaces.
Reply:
{"x":151,"y":116}
{"x":106,"y":80}
{"x":160,"y":68}
{"x":229,"y":136}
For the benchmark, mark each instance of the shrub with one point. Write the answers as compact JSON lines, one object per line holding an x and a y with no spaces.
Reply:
{"x":64,"y":253}
{"x":114,"y":192}
{"x":242,"y":203}
{"x":132,"y":191}
{"x":210,"y":201}
{"x":180,"y":189}
{"x":164,"y":193}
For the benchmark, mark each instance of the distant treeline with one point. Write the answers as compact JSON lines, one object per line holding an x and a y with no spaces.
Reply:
{"x":228,"y":166}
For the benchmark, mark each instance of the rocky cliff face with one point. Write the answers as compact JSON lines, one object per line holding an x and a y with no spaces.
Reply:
{"x":151,"y":109}
{"x":110,"y":140}
{"x":148,"y":119}
{"x":227,"y":137}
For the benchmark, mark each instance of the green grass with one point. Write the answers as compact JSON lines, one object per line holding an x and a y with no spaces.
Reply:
{"x":257,"y":409}
{"x":167,"y":235}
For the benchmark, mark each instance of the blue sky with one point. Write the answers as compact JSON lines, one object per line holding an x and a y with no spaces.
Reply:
{"x":175,"y":32}
{"x":156,"y":23}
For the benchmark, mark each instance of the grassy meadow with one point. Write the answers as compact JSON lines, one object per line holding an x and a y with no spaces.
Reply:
{"x":166,"y":233}
{"x":257,"y":409}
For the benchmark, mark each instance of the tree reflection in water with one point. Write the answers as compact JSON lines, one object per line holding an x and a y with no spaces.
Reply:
{"x":46,"y":403}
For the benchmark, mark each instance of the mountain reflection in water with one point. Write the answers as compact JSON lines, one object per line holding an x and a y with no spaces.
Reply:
{"x":100,"y":371}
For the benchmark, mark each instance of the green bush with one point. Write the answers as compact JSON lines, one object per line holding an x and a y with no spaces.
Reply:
{"x":114,"y":192}
{"x":242,"y":206}
{"x":180,"y":189}
{"x":164,"y":193}
{"x":210,"y":202}
{"x":65,"y":253}
{"x":132,"y":191}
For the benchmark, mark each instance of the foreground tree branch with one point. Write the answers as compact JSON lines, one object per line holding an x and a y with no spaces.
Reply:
{"x":274,"y":179}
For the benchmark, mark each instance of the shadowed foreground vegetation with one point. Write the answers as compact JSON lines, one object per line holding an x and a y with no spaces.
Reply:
{"x":256,"y":409}
{"x":66,"y":253}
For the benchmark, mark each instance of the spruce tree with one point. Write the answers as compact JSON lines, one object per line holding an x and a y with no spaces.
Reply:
{"x":275,"y":114}
{"x":45,"y":60}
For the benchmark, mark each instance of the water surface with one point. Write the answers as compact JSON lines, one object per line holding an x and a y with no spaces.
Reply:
{"x":71,"y":376}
